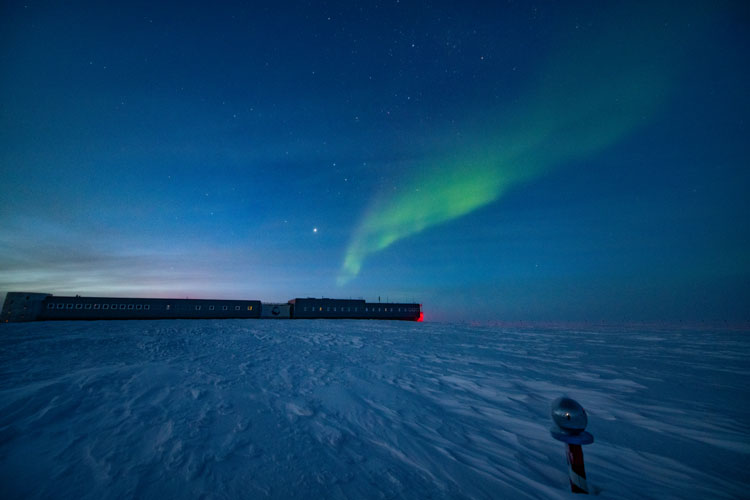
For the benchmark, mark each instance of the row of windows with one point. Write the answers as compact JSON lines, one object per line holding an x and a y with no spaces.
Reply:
{"x":343,"y":309}
{"x":367,"y":309}
{"x":61,"y":305}
{"x":223,"y":308}
{"x":168,"y":307}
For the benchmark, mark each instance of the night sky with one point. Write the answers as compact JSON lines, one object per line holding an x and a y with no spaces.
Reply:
{"x":508,"y":161}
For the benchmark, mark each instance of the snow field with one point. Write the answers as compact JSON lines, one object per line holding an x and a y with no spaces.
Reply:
{"x":365,"y":409}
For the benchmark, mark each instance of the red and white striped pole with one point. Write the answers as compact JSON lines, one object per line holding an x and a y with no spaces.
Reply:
{"x":570,"y":424}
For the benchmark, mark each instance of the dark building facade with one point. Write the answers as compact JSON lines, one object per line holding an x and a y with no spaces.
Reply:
{"x":20,"y":306}
{"x":354,"y":309}
{"x":45,"y":307}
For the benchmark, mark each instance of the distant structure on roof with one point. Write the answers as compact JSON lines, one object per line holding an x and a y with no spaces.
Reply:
{"x":22,"y":306}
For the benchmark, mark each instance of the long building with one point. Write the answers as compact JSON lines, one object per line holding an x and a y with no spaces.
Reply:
{"x":22,"y":306}
{"x":310,"y":308}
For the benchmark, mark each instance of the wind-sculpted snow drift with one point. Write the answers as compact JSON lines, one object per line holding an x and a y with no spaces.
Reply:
{"x":342,"y":409}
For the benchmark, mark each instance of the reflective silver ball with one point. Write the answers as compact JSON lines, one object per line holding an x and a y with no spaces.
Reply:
{"x":569,"y":415}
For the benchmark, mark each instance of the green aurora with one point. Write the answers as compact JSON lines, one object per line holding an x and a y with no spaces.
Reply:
{"x":585,"y":101}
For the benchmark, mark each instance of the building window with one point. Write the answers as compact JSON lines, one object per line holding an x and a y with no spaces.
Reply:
{"x":122,"y":306}
{"x":97,"y":306}
{"x":105,"y":306}
{"x":210,"y":308}
{"x":50,"y":306}
{"x":139,"y":306}
{"x":88,"y":306}
{"x":236,"y":308}
{"x":249,"y":308}
{"x":169,"y":307}
{"x":320,"y":309}
{"x":130,"y":306}
{"x":305,"y":308}
{"x":68,"y":306}
{"x":355,"y":309}
{"x":147,"y":306}
{"x":334,"y":309}
{"x":79,"y":306}
{"x":197,"y":308}
{"x":224,"y":308}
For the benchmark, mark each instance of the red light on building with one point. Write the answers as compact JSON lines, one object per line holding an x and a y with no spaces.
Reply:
{"x":421,"y":316}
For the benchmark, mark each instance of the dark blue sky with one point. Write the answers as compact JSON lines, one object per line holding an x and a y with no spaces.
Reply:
{"x":583,"y":161}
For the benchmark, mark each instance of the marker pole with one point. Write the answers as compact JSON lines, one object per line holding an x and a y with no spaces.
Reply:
{"x":576,"y":469}
{"x":570,"y":421}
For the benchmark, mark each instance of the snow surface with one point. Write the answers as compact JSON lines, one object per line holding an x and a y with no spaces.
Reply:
{"x":370,"y":409}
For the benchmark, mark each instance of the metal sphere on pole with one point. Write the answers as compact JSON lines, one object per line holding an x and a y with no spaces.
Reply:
{"x":570,"y":423}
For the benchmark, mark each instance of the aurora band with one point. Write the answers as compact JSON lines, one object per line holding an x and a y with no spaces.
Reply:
{"x":584,"y":103}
